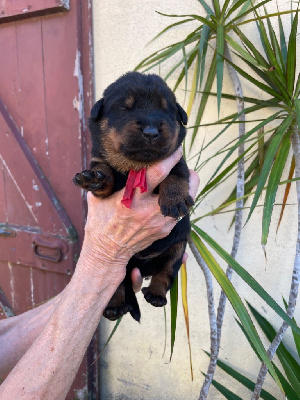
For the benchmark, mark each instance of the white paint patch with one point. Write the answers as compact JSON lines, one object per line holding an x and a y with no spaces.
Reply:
{"x":65,"y":4}
{"x":81,"y":394}
{"x":76,"y":103}
{"x":25,"y":10}
{"x":22,"y":131}
{"x":35,"y":186}
{"x":79,"y":102}
{"x":19,"y":189}
{"x":31,"y":287}
{"x":38,"y":204}
{"x":12,"y":285}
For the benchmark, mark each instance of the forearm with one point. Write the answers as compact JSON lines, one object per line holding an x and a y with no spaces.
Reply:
{"x":18,"y":333}
{"x":48,"y":368}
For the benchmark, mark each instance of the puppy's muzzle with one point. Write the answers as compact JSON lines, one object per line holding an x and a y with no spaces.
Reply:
{"x":150,"y":134}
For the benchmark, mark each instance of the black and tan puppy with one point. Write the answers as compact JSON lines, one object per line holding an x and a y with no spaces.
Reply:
{"x":137,"y":123}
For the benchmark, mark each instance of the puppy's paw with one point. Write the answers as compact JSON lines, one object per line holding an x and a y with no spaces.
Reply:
{"x":175,"y":207}
{"x":91,"y":180}
{"x":114,"y":313}
{"x":154,"y":299}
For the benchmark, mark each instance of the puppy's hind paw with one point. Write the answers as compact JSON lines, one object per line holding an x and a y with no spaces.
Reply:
{"x":114,"y":313}
{"x":154,"y":299}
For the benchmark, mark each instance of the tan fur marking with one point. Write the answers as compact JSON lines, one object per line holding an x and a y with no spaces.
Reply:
{"x":172,"y":138}
{"x":112,"y":143}
{"x":106,"y":191}
{"x":129,"y":101}
{"x":104,"y":124}
{"x":97,"y":159}
{"x":164,"y":103}
{"x":121,"y":163}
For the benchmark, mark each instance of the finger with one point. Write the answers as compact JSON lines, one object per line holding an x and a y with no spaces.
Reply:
{"x":184,"y":257}
{"x":157,"y":172}
{"x":137,"y":280}
{"x":193,"y":183}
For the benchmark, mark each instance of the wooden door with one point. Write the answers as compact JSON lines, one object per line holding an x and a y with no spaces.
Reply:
{"x":46,"y":91}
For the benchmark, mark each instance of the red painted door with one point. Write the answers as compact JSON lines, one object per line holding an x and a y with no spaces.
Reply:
{"x":46,"y":91}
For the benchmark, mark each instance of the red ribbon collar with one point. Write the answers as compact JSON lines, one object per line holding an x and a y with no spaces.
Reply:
{"x":135,"y":179}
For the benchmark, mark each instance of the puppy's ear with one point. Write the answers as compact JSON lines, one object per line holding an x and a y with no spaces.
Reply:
{"x":182,"y":114}
{"x":96,"y":110}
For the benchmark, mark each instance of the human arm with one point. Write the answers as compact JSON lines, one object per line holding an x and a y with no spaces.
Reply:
{"x":113,"y":234}
{"x":18,"y":333}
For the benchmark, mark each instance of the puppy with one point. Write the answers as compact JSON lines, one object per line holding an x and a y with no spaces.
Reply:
{"x":137,"y":123}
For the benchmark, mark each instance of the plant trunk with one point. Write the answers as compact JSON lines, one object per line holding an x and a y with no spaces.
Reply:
{"x":215,"y":342}
{"x":211,"y":310}
{"x":239,"y":187}
{"x":295,"y":276}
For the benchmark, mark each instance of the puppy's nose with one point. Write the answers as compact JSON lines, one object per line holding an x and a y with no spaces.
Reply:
{"x":150,"y":133}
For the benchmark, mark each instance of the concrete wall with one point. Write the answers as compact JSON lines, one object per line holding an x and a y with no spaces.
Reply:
{"x":133,"y":365}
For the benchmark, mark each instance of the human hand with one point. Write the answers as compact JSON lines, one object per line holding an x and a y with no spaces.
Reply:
{"x":114,"y":233}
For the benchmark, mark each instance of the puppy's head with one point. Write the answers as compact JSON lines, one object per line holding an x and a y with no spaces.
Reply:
{"x":137,"y":122}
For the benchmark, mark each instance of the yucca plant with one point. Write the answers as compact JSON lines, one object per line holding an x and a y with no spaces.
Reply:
{"x":276,"y":70}
{"x":291,"y":367}
{"x":274,"y":73}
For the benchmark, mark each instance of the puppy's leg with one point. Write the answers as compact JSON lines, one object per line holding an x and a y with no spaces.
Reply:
{"x":123,"y":301}
{"x":99,"y":179}
{"x":174,"y":198}
{"x":161,"y":281}
{"x":117,"y":306}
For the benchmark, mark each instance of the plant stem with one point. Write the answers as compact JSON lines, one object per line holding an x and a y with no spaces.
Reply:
{"x":211,"y":311}
{"x":295,"y":276}
{"x":239,"y":187}
{"x":237,"y":225}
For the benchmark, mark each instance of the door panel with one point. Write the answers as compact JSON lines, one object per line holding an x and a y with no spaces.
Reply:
{"x":46,"y":92}
{"x":31,"y":80}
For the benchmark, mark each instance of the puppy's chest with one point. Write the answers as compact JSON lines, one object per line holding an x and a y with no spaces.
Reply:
{"x":120,"y":180}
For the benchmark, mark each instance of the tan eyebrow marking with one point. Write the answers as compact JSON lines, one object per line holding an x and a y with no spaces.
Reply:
{"x":164,"y":103}
{"x":129,"y":101}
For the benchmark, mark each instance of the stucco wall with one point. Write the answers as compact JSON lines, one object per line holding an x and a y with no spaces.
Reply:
{"x":132,"y":365}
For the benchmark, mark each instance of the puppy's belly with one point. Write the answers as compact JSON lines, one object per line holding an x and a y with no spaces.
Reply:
{"x":152,"y":259}
{"x":178,"y":234}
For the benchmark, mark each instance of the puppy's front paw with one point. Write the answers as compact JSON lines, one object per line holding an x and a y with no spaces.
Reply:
{"x":175,"y":206}
{"x":91,"y":180}
{"x":154,"y":299}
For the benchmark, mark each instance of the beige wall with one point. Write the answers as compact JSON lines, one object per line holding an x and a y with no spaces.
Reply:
{"x":133,"y":366}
